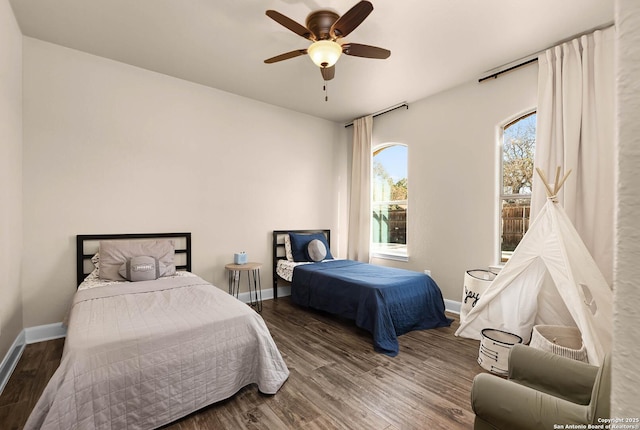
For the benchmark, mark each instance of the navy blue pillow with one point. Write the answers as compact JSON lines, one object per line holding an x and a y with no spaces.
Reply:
{"x":299,"y":244}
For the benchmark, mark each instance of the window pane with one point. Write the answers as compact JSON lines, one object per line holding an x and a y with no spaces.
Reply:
{"x":518,"y":149}
{"x":389,"y":224}
{"x":390,"y":173}
{"x":518,"y":146}
{"x":515,"y":223}
{"x":389,"y":200}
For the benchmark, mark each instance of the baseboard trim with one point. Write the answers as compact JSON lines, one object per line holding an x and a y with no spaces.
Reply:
{"x":27,"y":336}
{"x":45,"y":332}
{"x":449,"y":305}
{"x":283,"y":291}
{"x":267,"y":294}
{"x":10,"y":360}
{"x":452,"y":306}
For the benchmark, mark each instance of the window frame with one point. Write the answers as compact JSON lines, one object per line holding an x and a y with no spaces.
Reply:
{"x":401,"y":254}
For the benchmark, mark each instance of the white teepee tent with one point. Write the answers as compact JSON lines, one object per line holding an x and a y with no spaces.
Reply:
{"x":551,"y":279}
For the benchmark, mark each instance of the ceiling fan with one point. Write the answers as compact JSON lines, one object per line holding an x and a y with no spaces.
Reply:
{"x":325,"y":28}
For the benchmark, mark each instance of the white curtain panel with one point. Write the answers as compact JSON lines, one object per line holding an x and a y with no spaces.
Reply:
{"x":575,"y":131}
{"x":360,"y":195}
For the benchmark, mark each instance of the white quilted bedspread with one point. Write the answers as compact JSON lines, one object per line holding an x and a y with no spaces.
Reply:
{"x":140,"y":355}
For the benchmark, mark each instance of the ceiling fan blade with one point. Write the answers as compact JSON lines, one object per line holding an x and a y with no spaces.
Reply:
{"x":351,"y":19}
{"x":287,"y":22}
{"x":366,"y":51}
{"x":328,"y":73}
{"x":286,"y":56}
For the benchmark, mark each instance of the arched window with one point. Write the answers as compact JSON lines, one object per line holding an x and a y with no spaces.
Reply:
{"x":389,"y":201}
{"x":518,"y":149}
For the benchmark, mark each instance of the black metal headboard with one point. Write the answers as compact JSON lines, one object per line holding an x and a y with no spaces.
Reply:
{"x":279,"y":252}
{"x":84,"y":254}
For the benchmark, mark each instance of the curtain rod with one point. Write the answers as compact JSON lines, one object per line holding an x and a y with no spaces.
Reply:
{"x":528,"y":60}
{"x":382,"y":112}
{"x":508,"y":69}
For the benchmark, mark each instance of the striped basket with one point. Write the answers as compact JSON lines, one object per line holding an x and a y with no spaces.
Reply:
{"x":560,"y":340}
{"x":495,"y":347}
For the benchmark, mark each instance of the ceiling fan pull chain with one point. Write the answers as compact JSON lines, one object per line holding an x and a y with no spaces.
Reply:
{"x":324,"y":88}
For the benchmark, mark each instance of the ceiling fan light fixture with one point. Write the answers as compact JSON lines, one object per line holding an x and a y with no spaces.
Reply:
{"x":324,"y":53}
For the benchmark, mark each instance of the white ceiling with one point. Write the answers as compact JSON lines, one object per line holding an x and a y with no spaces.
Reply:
{"x":435,"y":44}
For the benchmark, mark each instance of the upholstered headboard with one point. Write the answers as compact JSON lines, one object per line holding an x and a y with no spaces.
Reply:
{"x":87,"y":246}
{"x":279,"y":252}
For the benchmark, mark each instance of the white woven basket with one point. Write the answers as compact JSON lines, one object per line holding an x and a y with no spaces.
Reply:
{"x":476,"y":283}
{"x":560,"y":340}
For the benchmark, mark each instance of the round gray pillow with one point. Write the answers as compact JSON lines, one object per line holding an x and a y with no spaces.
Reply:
{"x":316,"y":250}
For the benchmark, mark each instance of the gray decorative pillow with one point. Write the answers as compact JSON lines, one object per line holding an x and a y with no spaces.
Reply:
{"x":316,"y":250}
{"x":142,"y":268}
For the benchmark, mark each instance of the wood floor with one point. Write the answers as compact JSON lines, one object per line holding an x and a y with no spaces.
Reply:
{"x":337,"y":381}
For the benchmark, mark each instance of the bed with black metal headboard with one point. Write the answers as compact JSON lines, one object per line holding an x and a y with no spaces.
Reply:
{"x":144,"y":352}
{"x":385,"y":301}
{"x":87,"y":246}
{"x":280,"y":254}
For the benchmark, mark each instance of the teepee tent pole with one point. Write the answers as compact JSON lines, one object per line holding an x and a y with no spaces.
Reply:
{"x":563,"y":179}
{"x":557,"y":185}
{"x":544,"y":181}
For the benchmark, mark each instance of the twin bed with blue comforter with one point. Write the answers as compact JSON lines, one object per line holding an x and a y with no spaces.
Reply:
{"x":385,"y":301}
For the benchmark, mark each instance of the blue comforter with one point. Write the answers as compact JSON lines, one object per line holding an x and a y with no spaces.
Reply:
{"x":385,"y":301}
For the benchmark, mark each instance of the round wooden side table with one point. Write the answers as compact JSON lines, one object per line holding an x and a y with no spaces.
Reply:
{"x":253,"y":278}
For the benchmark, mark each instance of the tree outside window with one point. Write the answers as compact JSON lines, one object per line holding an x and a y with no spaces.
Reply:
{"x":389,"y":201}
{"x":518,"y":149}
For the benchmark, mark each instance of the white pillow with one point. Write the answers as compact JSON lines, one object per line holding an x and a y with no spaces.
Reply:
{"x":114,"y":253}
{"x":287,"y":247}
{"x":96,"y":260}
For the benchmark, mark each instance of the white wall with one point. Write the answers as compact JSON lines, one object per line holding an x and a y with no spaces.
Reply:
{"x":626,"y":336}
{"x":110,"y":148}
{"x":453,"y":173}
{"x":10,"y":177}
